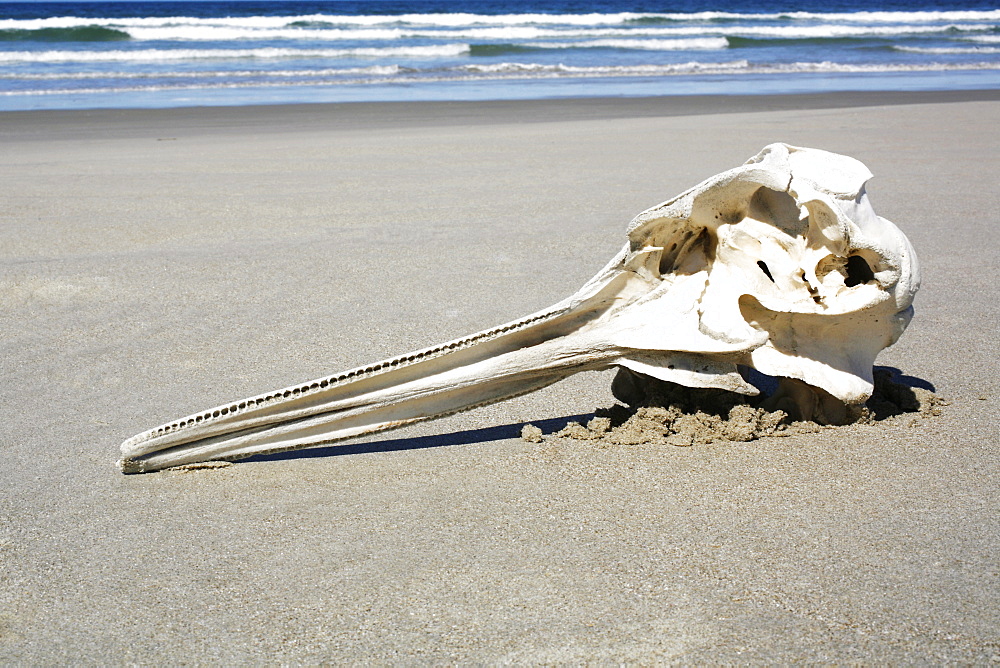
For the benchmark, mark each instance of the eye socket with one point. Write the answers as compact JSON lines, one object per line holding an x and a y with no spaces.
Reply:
{"x":778,"y":209}
{"x":858,"y":271}
{"x":763,"y":268}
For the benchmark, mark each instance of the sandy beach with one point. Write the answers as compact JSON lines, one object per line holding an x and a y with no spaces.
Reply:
{"x":158,"y":262}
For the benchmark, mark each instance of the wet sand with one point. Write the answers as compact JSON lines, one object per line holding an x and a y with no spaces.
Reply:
{"x":154,"y":263}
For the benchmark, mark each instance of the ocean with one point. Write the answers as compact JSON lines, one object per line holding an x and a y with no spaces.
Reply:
{"x":75,"y":55}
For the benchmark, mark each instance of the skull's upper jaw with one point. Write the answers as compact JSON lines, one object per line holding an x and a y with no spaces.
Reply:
{"x":617,"y":318}
{"x":482,"y":368}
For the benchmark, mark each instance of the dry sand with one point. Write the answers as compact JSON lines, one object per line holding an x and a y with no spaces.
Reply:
{"x":153,"y":263}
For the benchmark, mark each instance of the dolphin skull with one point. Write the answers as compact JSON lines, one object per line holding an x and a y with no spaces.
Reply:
{"x":780,"y":264}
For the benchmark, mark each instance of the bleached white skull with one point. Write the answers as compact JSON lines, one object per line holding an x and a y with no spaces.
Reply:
{"x":780,"y":265}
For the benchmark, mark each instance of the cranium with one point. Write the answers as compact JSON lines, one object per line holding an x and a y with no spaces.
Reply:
{"x":780,"y":265}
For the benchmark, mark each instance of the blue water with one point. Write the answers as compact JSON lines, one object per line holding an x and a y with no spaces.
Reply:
{"x":163,"y":54}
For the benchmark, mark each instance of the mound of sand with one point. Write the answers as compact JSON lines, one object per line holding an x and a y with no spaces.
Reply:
{"x":682,"y":416}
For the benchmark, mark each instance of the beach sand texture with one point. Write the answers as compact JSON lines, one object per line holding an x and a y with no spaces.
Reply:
{"x":154,"y":263}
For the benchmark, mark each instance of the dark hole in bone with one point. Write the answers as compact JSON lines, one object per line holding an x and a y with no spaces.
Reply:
{"x":693,"y":254}
{"x":669,"y":255}
{"x":763,"y":268}
{"x":858,"y":271}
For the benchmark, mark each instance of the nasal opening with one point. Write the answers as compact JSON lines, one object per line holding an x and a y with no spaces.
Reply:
{"x":858,"y":271}
{"x":763,"y":268}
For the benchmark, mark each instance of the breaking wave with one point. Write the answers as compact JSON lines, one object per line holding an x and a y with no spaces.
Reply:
{"x":944,"y":50}
{"x":703,"y":44}
{"x":87,"y":33}
{"x":156,"y":55}
{"x":235,"y":31}
{"x":459,"y":19}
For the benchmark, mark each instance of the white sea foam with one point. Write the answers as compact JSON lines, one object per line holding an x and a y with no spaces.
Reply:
{"x":234,"y":33}
{"x":216,"y":32}
{"x":466,"y":19}
{"x":944,"y":50}
{"x":845,"y":68}
{"x":838,"y":17}
{"x":462,"y":73}
{"x":151,"y":22}
{"x":155,"y":55}
{"x":736,"y":67}
{"x":376,"y":70}
{"x":610,"y":70}
{"x":334,"y":77}
{"x":896,"y":17}
{"x":263,"y":22}
{"x":183,"y":33}
{"x":842,"y":31}
{"x":453,"y":27}
{"x":703,"y":44}
{"x":512,"y":33}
